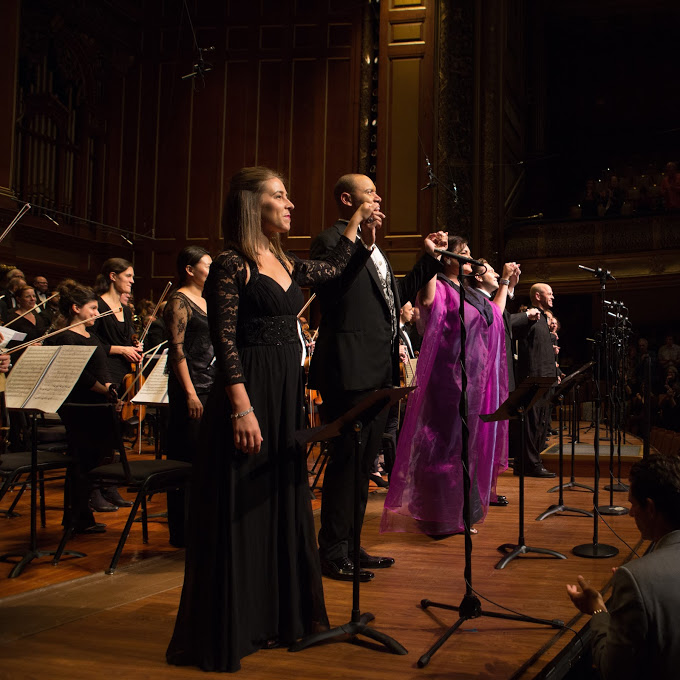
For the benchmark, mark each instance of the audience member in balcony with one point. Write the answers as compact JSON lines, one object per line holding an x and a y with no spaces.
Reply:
{"x":670,"y":187}
{"x":612,"y":197}
{"x":590,"y":200}
{"x":669,"y":354}
{"x":669,"y":401}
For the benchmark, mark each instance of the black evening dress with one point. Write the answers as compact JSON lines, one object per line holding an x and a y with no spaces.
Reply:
{"x":252,"y":570}
{"x":110,"y":331}
{"x":190,"y":341}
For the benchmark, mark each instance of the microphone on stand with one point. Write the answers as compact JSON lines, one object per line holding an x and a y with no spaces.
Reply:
{"x":461,"y":258}
{"x":431,"y":179}
{"x":598,"y":272}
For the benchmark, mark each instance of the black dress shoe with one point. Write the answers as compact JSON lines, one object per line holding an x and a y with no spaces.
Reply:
{"x":552,"y":431}
{"x":112,"y":495}
{"x":378,"y":480}
{"x":99,"y":504}
{"x":342,"y":569}
{"x":372,"y":562}
{"x":539,"y":472}
{"x":500,"y":501}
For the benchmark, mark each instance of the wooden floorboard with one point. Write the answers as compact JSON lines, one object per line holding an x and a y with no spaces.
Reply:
{"x":72,"y":621}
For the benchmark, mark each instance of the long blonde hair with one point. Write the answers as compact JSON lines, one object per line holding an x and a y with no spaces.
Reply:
{"x":242,"y":217}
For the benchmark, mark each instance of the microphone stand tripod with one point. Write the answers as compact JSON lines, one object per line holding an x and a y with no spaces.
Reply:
{"x":596,"y":549}
{"x":368,"y":408}
{"x":470,"y":606}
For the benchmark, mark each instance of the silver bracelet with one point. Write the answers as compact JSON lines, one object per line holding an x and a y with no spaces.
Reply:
{"x":236,"y":416}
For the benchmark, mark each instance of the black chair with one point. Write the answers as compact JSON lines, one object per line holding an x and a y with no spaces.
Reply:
{"x":143,"y":477}
{"x":14,"y":465}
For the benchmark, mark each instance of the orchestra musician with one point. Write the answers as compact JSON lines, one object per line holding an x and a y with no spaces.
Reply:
{"x":25,"y":318}
{"x":192,"y":373}
{"x":252,"y":577}
{"x":94,"y":386}
{"x":116,"y":332}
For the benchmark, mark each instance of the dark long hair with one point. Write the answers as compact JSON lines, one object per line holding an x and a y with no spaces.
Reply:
{"x":72,"y":293}
{"x":117,"y":265}
{"x":188,"y":257}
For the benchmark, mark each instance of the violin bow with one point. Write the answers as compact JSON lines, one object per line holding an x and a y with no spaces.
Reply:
{"x":61,"y":330}
{"x":32,"y":309}
{"x":155,"y":311}
{"x":26,"y":207}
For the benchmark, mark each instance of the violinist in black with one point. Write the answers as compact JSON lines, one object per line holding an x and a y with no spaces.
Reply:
{"x":79,"y":303}
{"x":116,"y":332}
{"x":191,"y":370}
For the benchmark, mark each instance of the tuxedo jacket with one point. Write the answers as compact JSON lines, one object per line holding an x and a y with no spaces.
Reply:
{"x":536,"y":354}
{"x":355,"y":349}
{"x":515,"y":326}
{"x":639,"y":636}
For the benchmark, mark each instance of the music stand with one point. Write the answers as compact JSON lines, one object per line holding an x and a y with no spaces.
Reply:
{"x":369,"y":407}
{"x":515,"y":406}
{"x":569,"y":383}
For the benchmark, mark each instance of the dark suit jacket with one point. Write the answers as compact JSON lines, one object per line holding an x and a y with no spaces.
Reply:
{"x":355,"y":349}
{"x":639,"y":637}
{"x":516,"y":326}
{"x":536,"y":354}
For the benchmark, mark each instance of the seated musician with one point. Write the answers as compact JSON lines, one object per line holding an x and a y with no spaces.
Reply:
{"x":25,"y":318}
{"x":79,"y":303}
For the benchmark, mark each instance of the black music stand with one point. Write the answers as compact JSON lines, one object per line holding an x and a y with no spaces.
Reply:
{"x":530,"y":391}
{"x":368,"y":408}
{"x":33,"y":552}
{"x":569,"y":383}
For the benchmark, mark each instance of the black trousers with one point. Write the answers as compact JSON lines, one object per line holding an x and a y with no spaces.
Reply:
{"x":337,"y":506}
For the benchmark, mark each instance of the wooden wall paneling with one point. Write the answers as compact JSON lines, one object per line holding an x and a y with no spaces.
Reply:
{"x":9,"y":38}
{"x":148,"y":163}
{"x":341,"y":125}
{"x":307,"y":146}
{"x":272,"y":87}
{"x":172,"y":164}
{"x":113,"y":169}
{"x":205,"y":173}
{"x":405,"y":122}
{"x":127,"y":187}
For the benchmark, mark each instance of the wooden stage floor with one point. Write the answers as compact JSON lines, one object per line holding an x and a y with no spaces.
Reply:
{"x":72,"y":621}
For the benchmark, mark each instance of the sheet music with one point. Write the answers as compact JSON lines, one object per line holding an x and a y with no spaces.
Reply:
{"x":26,"y":374}
{"x":155,"y":388}
{"x":9,"y":334}
{"x":60,"y":378}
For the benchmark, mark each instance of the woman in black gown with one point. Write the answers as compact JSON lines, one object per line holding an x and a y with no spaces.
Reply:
{"x":253,"y":577}
{"x":191,"y":370}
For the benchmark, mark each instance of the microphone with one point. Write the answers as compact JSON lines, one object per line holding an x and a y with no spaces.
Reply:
{"x":461,"y":258}
{"x":431,"y":179}
{"x":598,"y":272}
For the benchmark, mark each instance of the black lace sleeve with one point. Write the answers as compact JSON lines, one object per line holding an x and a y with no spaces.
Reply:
{"x":176,"y":316}
{"x":312,"y":272}
{"x":222,"y":292}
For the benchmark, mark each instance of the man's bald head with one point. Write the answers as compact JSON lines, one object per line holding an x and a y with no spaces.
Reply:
{"x":351,"y":191}
{"x":541,"y":296}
